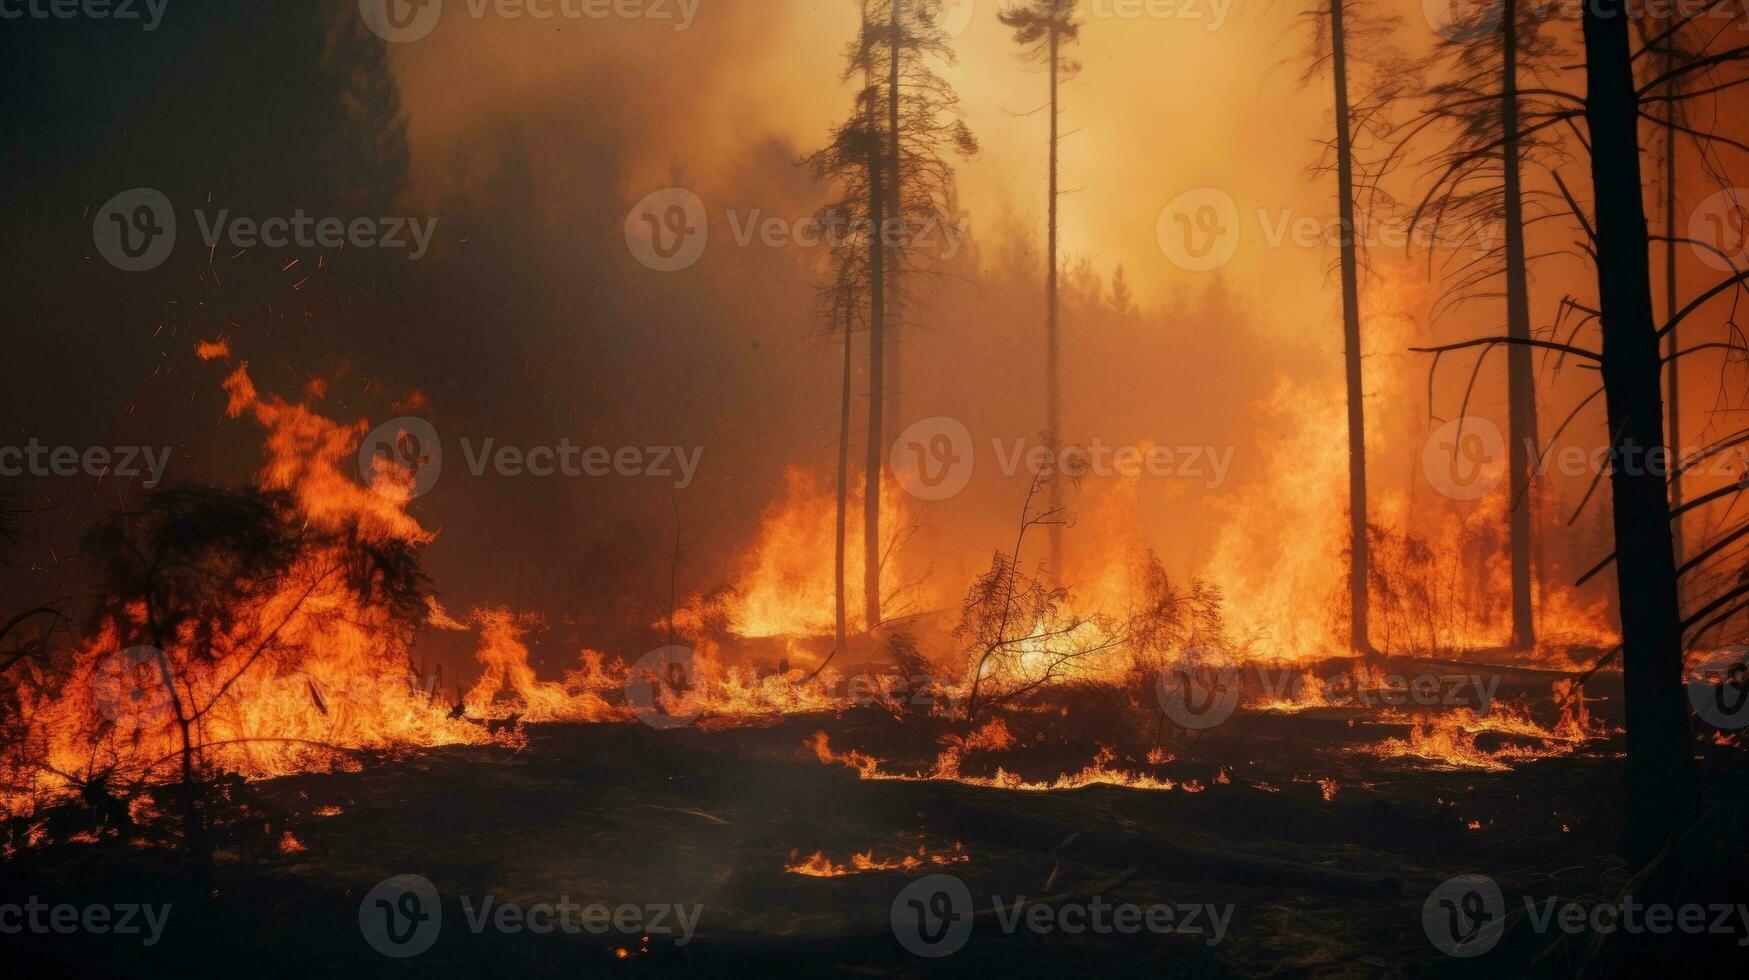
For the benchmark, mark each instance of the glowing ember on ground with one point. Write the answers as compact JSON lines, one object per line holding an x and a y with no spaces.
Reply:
{"x":817,"y":865}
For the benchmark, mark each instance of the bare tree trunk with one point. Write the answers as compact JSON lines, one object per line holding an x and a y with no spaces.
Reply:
{"x":1662,"y":794}
{"x":1053,"y":337}
{"x":1671,"y":284}
{"x":843,"y":476}
{"x":1520,"y":383}
{"x":877,"y":318}
{"x":896,"y":193}
{"x":1358,"y":550}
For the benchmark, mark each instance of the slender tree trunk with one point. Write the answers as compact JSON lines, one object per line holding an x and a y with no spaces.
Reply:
{"x":896,"y":193}
{"x":1520,"y":384}
{"x":1053,"y":336}
{"x":1662,"y":794}
{"x":877,"y":321}
{"x":193,"y":827}
{"x":844,"y":476}
{"x":1671,"y":287}
{"x":1358,"y":549}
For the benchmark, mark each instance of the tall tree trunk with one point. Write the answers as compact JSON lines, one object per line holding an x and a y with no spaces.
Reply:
{"x":1358,"y":548}
{"x":877,"y":320}
{"x":844,"y":478}
{"x":1662,"y":794}
{"x":1520,"y":380}
{"x":1053,"y":335}
{"x":896,"y":194}
{"x":1671,"y":285}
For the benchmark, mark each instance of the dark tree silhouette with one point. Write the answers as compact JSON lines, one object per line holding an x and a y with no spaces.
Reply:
{"x":1661,"y":780}
{"x":907,"y":118}
{"x":208,"y":581}
{"x":1042,"y":28}
{"x":1495,"y":127}
{"x":1341,"y":29}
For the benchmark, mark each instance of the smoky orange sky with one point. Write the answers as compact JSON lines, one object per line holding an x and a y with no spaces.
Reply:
{"x":531,"y":321}
{"x":1202,"y":95}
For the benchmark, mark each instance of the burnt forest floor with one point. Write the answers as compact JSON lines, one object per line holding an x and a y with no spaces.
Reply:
{"x":1325,"y":854}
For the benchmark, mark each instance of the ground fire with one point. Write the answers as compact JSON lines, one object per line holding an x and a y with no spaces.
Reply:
{"x":906,"y":487}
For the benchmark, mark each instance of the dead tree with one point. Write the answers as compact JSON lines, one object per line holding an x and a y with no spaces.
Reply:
{"x":1340,"y":30}
{"x":1042,"y":28}
{"x":1019,"y":630}
{"x":1493,"y":128}
{"x":906,"y":120}
{"x":207,"y":582}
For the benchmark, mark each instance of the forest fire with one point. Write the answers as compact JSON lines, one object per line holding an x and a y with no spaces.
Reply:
{"x":910,"y":493}
{"x":817,"y":865}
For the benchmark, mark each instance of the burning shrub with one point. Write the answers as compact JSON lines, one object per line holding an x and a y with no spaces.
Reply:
{"x":232,"y":633}
{"x":1021,"y":633}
